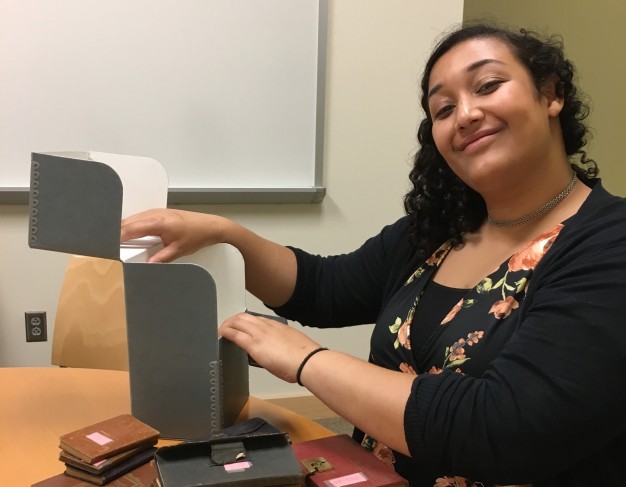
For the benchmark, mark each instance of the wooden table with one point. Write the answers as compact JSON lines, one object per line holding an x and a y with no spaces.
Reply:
{"x":40,"y":404}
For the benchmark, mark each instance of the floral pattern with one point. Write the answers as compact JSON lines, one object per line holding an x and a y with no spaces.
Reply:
{"x":463,"y":303}
{"x":456,"y":482}
{"x":462,"y":482}
{"x":487,"y":310}
{"x":502,"y":309}
{"x":379,"y":450}
{"x":531,"y":254}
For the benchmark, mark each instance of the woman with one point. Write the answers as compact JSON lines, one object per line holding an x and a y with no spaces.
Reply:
{"x":498,"y":352}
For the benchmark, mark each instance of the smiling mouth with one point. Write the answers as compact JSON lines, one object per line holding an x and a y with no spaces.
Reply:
{"x":472,"y":139}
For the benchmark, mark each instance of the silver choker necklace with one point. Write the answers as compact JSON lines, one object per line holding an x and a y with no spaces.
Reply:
{"x":538,"y":212}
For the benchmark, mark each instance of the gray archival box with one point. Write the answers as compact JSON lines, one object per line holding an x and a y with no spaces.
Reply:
{"x":184,"y":381}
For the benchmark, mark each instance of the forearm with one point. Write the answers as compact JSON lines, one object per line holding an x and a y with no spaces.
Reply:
{"x":270,"y":268}
{"x":370,"y":397}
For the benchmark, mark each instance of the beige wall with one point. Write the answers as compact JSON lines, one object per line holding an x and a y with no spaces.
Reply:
{"x":375,"y":54}
{"x":376,"y":49}
{"x":595,"y":40}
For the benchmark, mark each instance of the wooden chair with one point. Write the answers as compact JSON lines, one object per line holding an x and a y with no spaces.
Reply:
{"x":90,"y":324}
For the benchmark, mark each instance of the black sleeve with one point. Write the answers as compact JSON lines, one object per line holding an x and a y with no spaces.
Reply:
{"x":346,"y":289}
{"x":554,"y":397}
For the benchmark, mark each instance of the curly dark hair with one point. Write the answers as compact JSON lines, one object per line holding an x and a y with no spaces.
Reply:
{"x":442,"y":207}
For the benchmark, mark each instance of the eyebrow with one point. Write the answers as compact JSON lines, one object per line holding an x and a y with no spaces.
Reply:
{"x":472,"y":67}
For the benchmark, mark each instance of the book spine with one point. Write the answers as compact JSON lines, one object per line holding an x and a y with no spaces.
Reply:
{"x":217,"y":394}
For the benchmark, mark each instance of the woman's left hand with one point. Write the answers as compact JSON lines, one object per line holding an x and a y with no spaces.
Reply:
{"x":276,"y":347}
{"x":281,"y":349}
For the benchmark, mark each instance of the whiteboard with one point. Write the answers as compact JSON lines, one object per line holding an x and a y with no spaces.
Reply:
{"x":226,"y":94}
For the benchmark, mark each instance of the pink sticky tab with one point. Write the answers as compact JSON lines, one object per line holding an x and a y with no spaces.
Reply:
{"x":99,"y":438}
{"x":237,"y":467}
{"x":354,"y":478}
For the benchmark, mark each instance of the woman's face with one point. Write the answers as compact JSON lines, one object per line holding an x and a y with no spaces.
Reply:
{"x":490,"y":123}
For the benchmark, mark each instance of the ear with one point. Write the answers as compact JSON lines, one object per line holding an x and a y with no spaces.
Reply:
{"x":551,"y":93}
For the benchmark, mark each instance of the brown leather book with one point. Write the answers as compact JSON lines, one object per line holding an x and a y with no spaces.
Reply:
{"x":108,"y":438}
{"x":140,"y":477}
{"x":113,"y":473}
{"x":103,"y":465}
{"x":340,"y":461}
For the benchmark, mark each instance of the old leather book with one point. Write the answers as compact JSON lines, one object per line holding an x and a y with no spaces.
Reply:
{"x":102,"y":465}
{"x":338,"y":461}
{"x":113,"y":472}
{"x":140,"y":477}
{"x":108,"y":438}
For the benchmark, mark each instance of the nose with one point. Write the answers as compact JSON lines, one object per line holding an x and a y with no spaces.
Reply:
{"x":468,"y":112}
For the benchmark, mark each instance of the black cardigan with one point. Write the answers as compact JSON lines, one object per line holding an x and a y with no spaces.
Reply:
{"x":548,"y":410}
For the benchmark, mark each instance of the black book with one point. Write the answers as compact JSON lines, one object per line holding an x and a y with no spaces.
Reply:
{"x":253,"y":453}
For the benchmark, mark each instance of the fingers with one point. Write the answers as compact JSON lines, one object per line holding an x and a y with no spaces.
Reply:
{"x":166,"y":254}
{"x":266,"y":335}
{"x":242,"y":340}
{"x":274,"y":346}
{"x":182,"y":232}
{"x":242,"y":329}
{"x":153,"y":222}
{"x":248,"y":331}
{"x":139,"y":228}
{"x":245,"y":323}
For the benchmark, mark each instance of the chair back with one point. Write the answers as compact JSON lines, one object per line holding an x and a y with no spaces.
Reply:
{"x":90,"y":324}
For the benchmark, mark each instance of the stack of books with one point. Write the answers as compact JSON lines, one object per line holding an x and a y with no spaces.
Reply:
{"x":140,"y":477}
{"x":105,"y":451}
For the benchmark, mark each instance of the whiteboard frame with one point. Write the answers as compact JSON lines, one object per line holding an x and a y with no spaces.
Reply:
{"x":11,"y":195}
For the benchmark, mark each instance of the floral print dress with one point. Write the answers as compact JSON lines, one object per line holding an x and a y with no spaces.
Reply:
{"x":469,"y":337}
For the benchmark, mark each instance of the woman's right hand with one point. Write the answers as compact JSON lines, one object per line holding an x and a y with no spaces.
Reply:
{"x":182,"y":232}
{"x":271,"y":269}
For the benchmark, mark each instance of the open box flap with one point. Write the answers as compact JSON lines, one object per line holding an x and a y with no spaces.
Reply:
{"x":184,"y":381}
{"x":77,"y":200}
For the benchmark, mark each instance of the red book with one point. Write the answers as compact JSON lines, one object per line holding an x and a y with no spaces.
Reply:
{"x":350,"y":464}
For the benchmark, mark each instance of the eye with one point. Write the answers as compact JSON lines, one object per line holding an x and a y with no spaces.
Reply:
{"x":443,"y":112}
{"x":489,"y":86}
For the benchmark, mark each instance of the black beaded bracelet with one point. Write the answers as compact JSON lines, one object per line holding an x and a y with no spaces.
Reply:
{"x":306,"y":359}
